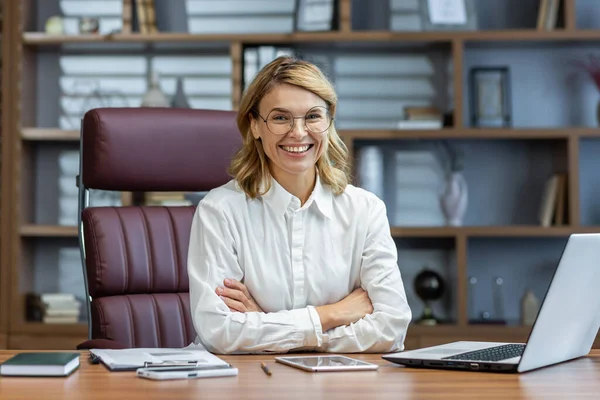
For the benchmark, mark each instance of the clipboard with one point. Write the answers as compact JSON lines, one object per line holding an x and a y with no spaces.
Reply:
{"x":133,"y":359}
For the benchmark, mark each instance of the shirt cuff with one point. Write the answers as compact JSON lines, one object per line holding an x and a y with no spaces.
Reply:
{"x":319,"y":337}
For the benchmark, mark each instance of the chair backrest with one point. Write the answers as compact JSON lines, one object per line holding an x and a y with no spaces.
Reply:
{"x":136,"y":256}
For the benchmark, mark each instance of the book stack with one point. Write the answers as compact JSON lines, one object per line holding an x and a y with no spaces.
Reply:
{"x":146,"y":16}
{"x":166,"y":199}
{"x":53,"y":308}
{"x":421,"y":117}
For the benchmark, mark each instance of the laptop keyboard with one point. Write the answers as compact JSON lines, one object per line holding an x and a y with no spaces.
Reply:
{"x":497,"y":353}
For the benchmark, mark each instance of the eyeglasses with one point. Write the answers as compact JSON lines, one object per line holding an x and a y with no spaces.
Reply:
{"x":281,"y":121}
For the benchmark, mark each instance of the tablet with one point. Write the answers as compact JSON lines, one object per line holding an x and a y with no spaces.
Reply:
{"x":326,"y":363}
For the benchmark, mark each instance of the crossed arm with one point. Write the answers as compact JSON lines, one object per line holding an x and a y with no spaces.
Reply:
{"x":346,"y":311}
{"x":373,"y":318}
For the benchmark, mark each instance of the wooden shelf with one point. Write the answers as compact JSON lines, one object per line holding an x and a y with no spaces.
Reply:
{"x":49,"y":134}
{"x":56,"y":134}
{"x":415,"y":232}
{"x":41,"y":38}
{"x":48,"y":231}
{"x":33,"y":230}
{"x":453,"y":329}
{"x":491,"y":231}
{"x":471,"y":133}
{"x":39,"y":328}
{"x":408,"y":232}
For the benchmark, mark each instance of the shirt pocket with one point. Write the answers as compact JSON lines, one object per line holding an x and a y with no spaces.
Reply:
{"x":332,"y":272}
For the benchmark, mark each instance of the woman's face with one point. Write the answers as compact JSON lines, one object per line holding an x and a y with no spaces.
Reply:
{"x":295,"y":152}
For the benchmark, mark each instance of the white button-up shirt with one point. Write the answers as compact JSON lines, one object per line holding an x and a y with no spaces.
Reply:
{"x":292,"y":259}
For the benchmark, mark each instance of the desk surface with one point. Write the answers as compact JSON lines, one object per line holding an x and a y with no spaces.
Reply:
{"x":575,"y":379}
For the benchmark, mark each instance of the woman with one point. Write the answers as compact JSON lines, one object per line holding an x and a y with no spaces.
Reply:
{"x":288,"y":256}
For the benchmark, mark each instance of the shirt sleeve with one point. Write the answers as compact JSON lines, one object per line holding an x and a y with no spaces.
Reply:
{"x":212,"y":257}
{"x":385,"y":329}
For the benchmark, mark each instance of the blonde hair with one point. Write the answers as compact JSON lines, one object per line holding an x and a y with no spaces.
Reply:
{"x":250,"y":166}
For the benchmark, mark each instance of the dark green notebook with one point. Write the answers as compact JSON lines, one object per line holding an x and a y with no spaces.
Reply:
{"x":40,"y":364}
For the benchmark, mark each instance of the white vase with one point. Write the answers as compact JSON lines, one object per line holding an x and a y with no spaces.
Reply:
{"x":371,"y":169}
{"x":530,"y":306}
{"x":454,"y":198}
{"x":154,"y":96}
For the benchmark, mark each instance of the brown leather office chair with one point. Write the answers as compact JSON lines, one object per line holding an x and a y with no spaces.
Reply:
{"x":135,"y":257}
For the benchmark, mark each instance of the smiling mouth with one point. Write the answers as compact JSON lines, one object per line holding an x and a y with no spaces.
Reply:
{"x":297,"y":149}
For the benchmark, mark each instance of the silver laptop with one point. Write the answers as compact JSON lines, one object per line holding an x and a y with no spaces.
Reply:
{"x":565,"y":327}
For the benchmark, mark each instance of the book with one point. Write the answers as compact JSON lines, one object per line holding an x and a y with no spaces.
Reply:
{"x":127,"y":16}
{"x":40,"y":364}
{"x":428,"y":113}
{"x":419,"y":124}
{"x":542,"y":12}
{"x":561,"y":200}
{"x":547,"y":14}
{"x":551,"y":15}
{"x":548,"y":204}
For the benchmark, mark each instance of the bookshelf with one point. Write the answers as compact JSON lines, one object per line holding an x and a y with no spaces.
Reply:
{"x":4,"y":110}
{"x":28,"y":138}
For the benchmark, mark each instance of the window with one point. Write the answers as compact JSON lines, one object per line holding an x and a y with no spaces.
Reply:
{"x":108,"y":12}
{"x":90,"y":81}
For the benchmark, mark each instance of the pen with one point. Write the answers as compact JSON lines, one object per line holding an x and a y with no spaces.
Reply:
{"x":94,"y":359}
{"x":265,"y":368}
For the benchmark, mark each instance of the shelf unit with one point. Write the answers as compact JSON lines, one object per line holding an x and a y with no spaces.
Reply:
{"x":5,"y":109}
{"x":21,"y":135}
{"x":41,"y":39}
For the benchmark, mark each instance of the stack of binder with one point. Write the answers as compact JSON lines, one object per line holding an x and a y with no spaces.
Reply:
{"x":53,"y":308}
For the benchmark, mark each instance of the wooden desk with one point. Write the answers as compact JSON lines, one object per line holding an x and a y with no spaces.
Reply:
{"x":575,"y":379}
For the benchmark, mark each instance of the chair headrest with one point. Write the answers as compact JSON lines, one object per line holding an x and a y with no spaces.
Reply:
{"x":157,"y":149}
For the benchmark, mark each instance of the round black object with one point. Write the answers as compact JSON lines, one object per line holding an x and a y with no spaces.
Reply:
{"x":429,"y":285}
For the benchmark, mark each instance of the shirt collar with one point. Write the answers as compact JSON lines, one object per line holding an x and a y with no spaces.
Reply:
{"x":279,"y":199}
{"x":323,"y":198}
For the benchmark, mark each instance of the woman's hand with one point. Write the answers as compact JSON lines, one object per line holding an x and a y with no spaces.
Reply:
{"x":237,"y":297}
{"x":350,"y":309}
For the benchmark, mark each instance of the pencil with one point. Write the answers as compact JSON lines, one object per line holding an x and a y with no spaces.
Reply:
{"x":265,"y":368}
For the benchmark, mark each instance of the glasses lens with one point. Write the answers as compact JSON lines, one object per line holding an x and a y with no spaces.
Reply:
{"x":317,"y":120}
{"x":280,"y":122}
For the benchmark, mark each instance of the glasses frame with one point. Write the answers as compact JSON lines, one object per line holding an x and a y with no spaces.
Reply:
{"x":293,"y":122}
